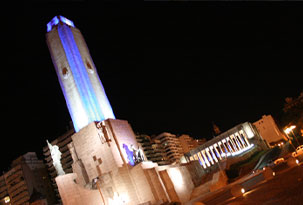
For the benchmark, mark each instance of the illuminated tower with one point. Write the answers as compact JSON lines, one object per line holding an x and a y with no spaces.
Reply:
{"x":83,"y":91}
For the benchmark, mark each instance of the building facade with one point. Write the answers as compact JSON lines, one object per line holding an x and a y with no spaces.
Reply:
{"x":269,"y":130}
{"x":238,"y":141}
{"x":4,"y":196}
{"x":167,"y":148}
{"x":66,"y":158}
{"x":26,"y":179}
{"x":170,"y":146}
{"x":83,"y":91}
{"x":146,"y":144}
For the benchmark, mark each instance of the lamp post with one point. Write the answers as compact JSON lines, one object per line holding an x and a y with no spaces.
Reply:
{"x":287,"y":131}
{"x":96,"y":181}
{"x":290,"y":129}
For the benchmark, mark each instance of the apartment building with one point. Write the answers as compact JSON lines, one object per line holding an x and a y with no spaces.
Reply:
{"x":26,"y":182}
{"x":66,"y":158}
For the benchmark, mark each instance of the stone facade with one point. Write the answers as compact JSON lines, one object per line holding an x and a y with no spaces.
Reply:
{"x":102,"y":172}
{"x":269,"y":130}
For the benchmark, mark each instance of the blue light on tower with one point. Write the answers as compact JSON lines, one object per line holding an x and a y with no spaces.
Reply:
{"x":55,"y":21}
{"x":83,"y":91}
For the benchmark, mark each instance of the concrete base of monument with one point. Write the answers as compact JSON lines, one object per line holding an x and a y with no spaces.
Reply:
{"x":148,"y":164}
{"x":75,"y":194}
{"x":140,"y":184}
{"x":144,"y":183}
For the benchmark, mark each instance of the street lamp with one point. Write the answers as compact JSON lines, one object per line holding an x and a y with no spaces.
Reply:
{"x":287,"y":131}
{"x":290,"y":129}
{"x":96,"y":181}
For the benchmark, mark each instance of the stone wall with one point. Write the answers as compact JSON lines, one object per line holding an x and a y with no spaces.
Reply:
{"x":97,"y":157}
{"x":98,"y":154}
{"x":74,"y":194}
{"x":132,"y":185}
{"x":178,"y":182}
{"x":123,"y":134}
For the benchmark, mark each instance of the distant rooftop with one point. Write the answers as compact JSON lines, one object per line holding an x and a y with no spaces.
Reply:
{"x":55,"y":21}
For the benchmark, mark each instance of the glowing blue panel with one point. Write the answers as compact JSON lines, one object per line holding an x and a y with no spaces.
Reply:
{"x":67,"y":21}
{"x":130,"y":155}
{"x":52,"y":23}
{"x":238,"y":144}
{"x":200,"y":162}
{"x":229,"y":147}
{"x":212,"y":154}
{"x":224,"y":146}
{"x":80,"y":74}
{"x":55,"y":21}
{"x":216,"y":153}
{"x":83,"y":99}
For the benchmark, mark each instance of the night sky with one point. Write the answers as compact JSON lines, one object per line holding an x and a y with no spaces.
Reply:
{"x":174,"y":68}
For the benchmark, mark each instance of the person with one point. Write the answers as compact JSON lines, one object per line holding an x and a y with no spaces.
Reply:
{"x":56,"y":156}
{"x":137,"y":154}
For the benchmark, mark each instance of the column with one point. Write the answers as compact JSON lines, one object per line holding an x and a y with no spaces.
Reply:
{"x":242,"y":141}
{"x":203,"y":154}
{"x":201,"y":160}
{"x":238,"y":141}
{"x":226,"y":147}
{"x":223,"y":154}
{"x":245,"y":138}
{"x":213,"y":154}
{"x":228,"y":143}
{"x":209,"y":156}
{"x":235,"y":148}
{"x":216,"y":150}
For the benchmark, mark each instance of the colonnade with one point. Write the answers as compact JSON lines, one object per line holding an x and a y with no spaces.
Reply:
{"x":232,"y":145}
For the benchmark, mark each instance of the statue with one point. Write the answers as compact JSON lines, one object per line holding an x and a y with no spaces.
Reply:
{"x":56,"y":156}
{"x":137,"y":154}
{"x":134,"y":155}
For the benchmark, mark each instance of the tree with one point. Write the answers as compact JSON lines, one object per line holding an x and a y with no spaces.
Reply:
{"x":293,"y":113}
{"x":216,"y":129}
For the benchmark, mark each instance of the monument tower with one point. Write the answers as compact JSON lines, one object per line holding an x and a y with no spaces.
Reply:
{"x":83,"y":91}
{"x":108,"y":166}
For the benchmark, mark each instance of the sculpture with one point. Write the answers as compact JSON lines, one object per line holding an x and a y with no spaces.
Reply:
{"x":134,"y":155}
{"x":137,"y":154}
{"x":56,"y":156}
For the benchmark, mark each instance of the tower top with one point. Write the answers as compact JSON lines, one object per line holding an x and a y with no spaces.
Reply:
{"x":56,"y":20}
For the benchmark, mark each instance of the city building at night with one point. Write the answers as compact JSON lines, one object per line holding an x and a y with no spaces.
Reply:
{"x":167,"y":148}
{"x":27,"y":182}
{"x":145,"y":142}
{"x":4,"y":196}
{"x":171,"y":147}
{"x":243,"y":139}
{"x":269,"y":130}
{"x":66,"y":157}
